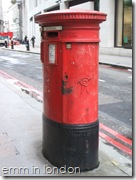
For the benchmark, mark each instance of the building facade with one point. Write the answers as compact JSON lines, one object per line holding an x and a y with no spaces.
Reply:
{"x":116,"y":31}
{"x":1,"y":18}
{"x":14,"y":21}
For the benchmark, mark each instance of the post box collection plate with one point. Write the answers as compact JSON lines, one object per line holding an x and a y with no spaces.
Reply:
{"x":50,"y":28}
{"x":70,"y":40}
{"x":52,"y":53}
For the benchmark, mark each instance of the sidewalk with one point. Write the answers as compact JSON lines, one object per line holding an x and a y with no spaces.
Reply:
{"x":21,"y":138}
{"x":107,"y":59}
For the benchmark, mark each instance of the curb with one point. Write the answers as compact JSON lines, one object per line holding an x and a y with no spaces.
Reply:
{"x":116,"y":65}
{"x":20,"y":51}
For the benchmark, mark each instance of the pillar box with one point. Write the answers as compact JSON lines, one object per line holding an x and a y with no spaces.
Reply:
{"x":69,"y":53}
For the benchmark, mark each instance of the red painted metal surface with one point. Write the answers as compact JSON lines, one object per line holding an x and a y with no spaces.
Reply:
{"x":69,"y":52}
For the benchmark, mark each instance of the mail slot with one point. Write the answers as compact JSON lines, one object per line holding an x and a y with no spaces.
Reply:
{"x":69,"y":53}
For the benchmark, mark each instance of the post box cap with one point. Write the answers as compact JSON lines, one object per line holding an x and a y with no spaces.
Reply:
{"x":70,"y":15}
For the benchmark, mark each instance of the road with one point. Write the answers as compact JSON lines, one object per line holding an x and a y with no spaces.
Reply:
{"x":115,"y":99}
{"x":115,"y":87}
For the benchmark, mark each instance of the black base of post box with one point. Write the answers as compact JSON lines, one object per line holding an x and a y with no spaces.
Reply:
{"x":71,"y":145}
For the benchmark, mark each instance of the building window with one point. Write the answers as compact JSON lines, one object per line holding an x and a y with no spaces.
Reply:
{"x":127,"y":23}
{"x":123,"y":35}
{"x":96,"y":5}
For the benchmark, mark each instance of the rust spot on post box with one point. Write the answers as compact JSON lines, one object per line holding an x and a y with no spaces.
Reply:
{"x":66,"y":90}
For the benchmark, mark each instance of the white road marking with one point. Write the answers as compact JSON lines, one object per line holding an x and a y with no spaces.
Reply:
{"x":102,"y":80}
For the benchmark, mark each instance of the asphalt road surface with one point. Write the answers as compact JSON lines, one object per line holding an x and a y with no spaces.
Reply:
{"x":115,"y":87}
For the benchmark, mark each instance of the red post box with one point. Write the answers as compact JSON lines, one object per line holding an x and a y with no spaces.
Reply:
{"x":69,"y":53}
